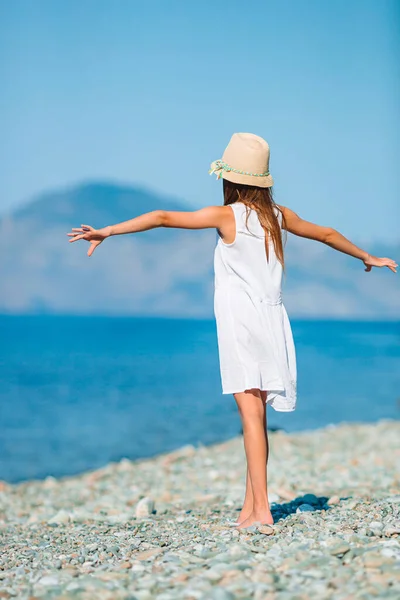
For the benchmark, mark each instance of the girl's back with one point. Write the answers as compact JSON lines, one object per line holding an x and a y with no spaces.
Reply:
{"x":255,"y":341}
{"x":244,"y":261}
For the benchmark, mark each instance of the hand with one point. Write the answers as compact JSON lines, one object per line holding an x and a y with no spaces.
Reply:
{"x":374,"y":261}
{"x":88,"y":233}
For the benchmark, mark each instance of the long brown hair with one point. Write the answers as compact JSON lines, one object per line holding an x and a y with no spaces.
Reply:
{"x":261,"y":199}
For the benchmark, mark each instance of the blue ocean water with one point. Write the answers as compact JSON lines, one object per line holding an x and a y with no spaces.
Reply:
{"x":78,"y":392}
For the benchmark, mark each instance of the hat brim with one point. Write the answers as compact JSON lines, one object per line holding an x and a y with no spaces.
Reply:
{"x":263,"y":182}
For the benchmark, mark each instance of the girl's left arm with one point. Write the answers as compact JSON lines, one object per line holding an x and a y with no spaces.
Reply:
{"x":327,"y":235}
{"x":211,"y":216}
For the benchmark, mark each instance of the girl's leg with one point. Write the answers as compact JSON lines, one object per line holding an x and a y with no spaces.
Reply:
{"x":248,"y":499}
{"x":252,"y":413}
{"x":247,"y":507}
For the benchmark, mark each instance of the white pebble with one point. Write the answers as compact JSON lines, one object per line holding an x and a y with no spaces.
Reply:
{"x":333,"y":500}
{"x":48,"y":580}
{"x":61,"y":517}
{"x":144,"y":507}
{"x":376,"y":525}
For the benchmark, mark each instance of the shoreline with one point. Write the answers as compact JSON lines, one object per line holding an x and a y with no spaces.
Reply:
{"x":156,"y":527}
{"x":193,"y":447}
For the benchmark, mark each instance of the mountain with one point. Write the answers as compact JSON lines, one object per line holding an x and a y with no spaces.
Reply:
{"x":163,"y":272}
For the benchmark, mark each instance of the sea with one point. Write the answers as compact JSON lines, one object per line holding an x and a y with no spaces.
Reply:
{"x":79,"y":392}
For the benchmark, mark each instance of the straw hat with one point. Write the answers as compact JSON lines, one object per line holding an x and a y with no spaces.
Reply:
{"x":245,"y":160}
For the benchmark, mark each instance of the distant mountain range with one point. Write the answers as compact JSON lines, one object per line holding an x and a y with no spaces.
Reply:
{"x":162,"y":272}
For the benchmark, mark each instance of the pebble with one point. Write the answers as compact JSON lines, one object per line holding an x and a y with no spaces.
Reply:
{"x":144,"y":507}
{"x":373,"y":560}
{"x":333,"y":500}
{"x":266,"y":530}
{"x":339,"y":549}
{"x":393,"y":529}
{"x":48,"y":580}
{"x":61,"y":517}
{"x":218,"y":594}
{"x":376,"y":525}
{"x":334,"y":497}
{"x":305,"y":508}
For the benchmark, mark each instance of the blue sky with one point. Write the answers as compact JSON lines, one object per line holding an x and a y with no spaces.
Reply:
{"x":150,"y":93}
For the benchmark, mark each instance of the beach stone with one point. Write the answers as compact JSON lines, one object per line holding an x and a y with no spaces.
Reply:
{"x":71,"y":571}
{"x":305,"y":508}
{"x":143,"y":595}
{"x":49,"y":482}
{"x":218,"y":594}
{"x":49,"y":580}
{"x":376,"y":525}
{"x":373,"y":560}
{"x":390,"y":530}
{"x":237,"y":551}
{"x":205,"y":552}
{"x":266,"y":530}
{"x":221,"y":566}
{"x":250,"y":529}
{"x":138,"y":568}
{"x":333,"y":500}
{"x":394,"y":499}
{"x":221,"y":557}
{"x":61,"y":517}
{"x":153,"y":552}
{"x":339,"y":549}
{"x":380,"y":578}
{"x":242,"y":565}
{"x":92,"y":547}
{"x":144,"y":507}
{"x":375,"y":529}
{"x":289,"y":562}
{"x":213,"y":575}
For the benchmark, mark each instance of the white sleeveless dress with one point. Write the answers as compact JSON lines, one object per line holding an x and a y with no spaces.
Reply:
{"x":255,"y":342}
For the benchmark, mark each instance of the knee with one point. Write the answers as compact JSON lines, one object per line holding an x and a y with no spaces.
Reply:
{"x":252,"y":413}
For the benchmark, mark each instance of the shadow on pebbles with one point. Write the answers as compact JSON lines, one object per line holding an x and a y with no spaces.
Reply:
{"x":158,"y":528}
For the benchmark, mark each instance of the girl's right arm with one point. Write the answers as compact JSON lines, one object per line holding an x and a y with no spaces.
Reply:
{"x":219,"y":217}
{"x":327,"y":235}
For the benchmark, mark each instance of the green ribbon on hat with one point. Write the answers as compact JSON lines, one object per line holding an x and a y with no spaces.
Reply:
{"x":218,"y":167}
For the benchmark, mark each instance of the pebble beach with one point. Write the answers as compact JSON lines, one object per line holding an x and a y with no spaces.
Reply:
{"x":157,"y":528}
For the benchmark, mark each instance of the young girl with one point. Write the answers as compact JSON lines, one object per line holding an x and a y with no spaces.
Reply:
{"x":255,"y":343}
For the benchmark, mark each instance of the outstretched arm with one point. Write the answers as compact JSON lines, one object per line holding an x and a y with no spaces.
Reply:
{"x":219,"y":217}
{"x":327,"y":235}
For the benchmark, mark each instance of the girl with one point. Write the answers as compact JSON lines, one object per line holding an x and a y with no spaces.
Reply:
{"x":255,"y":343}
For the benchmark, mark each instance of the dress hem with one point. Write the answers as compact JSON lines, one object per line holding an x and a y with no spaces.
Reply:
{"x":289,"y":408}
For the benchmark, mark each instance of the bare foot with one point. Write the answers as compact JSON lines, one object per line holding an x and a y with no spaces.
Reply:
{"x":263,"y":518}
{"x":245,"y":513}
